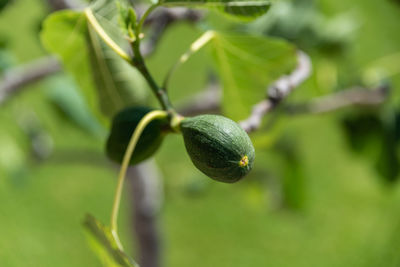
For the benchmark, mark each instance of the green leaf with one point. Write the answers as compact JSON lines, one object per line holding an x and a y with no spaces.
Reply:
{"x":127,"y":19}
{"x":104,"y":244}
{"x":63,"y":92}
{"x":247,"y":66}
{"x":118,"y":84}
{"x":239,"y":8}
{"x":108,"y":84}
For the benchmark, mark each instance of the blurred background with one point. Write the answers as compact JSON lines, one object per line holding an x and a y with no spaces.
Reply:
{"x":324,"y":190}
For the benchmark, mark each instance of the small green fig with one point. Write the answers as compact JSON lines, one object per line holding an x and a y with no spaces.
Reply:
{"x":123,"y":126}
{"x":218,"y":147}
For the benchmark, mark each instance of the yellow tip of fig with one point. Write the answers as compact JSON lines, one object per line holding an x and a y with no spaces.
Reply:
{"x":244,"y":161}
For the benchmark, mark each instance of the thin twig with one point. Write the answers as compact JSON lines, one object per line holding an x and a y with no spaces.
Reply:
{"x":203,"y":40}
{"x":207,"y":101}
{"x":162,"y":18}
{"x":210,"y":99}
{"x":278,"y":91}
{"x":352,"y":97}
{"x":64,"y":4}
{"x":15,"y":79}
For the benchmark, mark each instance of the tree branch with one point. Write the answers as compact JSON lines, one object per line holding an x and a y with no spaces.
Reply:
{"x":162,"y":18}
{"x":278,"y":91}
{"x":210,"y":99}
{"x":207,"y":101}
{"x":15,"y":79}
{"x":64,"y":4}
{"x":146,"y":188}
{"x":352,"y":97}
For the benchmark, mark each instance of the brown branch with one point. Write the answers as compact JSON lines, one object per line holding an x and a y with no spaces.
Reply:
{"x":146,"y":200}
{"x":278,"y":91}
{"x":160,"y":20}
{"x":15,"y":79}
{"x":207,"y":101}
{"x":358,"y":96}
{"x":64,"y":4}
{"x":210,"y":99}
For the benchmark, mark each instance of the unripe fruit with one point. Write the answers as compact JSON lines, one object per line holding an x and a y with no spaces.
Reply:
{"x":218,"y":147}
{"x":123,"y":126}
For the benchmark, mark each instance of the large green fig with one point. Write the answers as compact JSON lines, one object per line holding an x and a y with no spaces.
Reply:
{"x":123,"y":126}
{"x":218,"y":147}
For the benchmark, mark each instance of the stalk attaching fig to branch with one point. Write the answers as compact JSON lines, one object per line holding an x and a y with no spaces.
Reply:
{"x":125,"y":163}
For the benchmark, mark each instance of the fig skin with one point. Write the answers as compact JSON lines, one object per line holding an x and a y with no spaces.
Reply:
{"x":218,"y":147}
{"x":123,"y":126}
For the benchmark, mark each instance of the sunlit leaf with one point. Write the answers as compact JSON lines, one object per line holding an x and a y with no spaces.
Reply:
{"x":108,"y":84}
{"x":118,"y":84}
{"x":127,"y":19}
{"x":238,"y":8}
{"x":247,"y":65}
{"x":105,"y":246}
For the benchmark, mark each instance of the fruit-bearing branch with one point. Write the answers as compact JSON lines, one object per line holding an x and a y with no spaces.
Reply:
{"x":278,"y":91}
{"x":210,"y":99}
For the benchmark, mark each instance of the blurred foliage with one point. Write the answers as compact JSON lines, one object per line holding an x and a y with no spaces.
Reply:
{"x":246,"y":10}
{"x":376,"y":135}
{"x":315,"y":198}
{"x":302,"y":23}
{"x":247,"y":64}
{"x":108,"y":84}
{"x":105,"y":245}
{"x":4,"y":3}
{"x":62,"y":91}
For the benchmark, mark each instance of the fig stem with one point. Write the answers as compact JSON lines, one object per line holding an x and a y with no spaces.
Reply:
{"x":204,"y":39}
{"x":143,"y":20}
{"x":139,"y":63}
{"x":104,"y":36}
{"x":125,"y":163}
{"x":138,"y":60}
